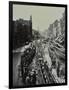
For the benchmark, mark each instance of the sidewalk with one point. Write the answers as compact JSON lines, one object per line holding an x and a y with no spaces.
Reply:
{"x":21,"y":49}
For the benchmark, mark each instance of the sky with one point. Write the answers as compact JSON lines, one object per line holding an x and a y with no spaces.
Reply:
{"x":42,"y":16}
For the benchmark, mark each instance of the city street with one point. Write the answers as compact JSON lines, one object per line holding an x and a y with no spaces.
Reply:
{"x":41,"y":64}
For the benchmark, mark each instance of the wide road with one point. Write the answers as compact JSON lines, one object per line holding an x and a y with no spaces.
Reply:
{"x":41,"y":51}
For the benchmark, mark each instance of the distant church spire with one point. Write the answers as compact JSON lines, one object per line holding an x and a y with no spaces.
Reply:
{"x":31,"y":17}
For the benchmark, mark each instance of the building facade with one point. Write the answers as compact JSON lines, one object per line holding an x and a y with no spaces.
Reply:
{"x":22,"y":32}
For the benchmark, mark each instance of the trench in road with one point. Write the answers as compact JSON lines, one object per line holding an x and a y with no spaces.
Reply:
{"x":16,"y":61}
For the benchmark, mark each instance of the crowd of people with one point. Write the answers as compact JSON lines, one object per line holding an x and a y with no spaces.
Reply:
{"x":26,"y":59}
{"x":29,"y":77}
